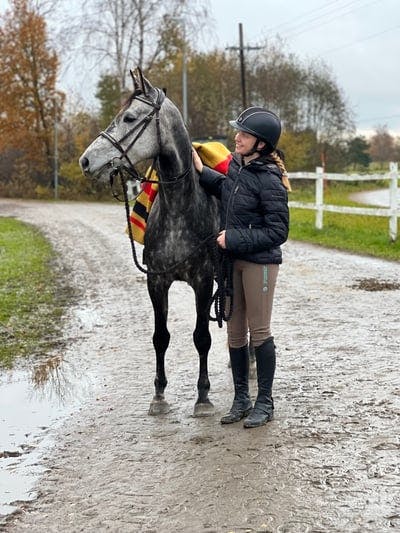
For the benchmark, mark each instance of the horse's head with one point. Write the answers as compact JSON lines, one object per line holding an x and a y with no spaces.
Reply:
{"x":133,"y":135}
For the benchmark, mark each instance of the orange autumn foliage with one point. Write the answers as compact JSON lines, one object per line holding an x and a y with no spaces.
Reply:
{"x":28,"y":94}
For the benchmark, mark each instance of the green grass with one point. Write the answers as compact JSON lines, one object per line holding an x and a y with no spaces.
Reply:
{"x":367,"y":235}
{"x":32,"y":294}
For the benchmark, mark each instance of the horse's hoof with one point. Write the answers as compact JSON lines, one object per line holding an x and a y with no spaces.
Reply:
{"x":203,"y":409}
{"x":159,"y":407}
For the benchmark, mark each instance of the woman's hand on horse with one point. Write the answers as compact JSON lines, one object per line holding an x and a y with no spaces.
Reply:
{"x":198,"y":164}
{"x":221,"y":239}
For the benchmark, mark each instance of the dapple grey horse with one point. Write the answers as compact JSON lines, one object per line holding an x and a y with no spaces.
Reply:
{"x":182,"y":225}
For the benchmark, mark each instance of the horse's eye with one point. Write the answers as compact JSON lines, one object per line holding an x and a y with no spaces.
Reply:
{"x":129,"y":117}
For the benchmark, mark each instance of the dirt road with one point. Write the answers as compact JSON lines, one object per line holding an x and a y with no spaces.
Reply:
{"x":329,"y":462}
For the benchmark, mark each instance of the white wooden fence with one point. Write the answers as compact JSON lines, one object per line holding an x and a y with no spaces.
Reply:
{"x":392,"y":212}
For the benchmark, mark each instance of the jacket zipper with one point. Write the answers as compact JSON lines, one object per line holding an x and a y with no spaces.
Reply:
{"x":231,"y":197}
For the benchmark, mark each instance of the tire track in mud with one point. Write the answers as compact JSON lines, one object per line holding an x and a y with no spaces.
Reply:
{"x":328,"y":462}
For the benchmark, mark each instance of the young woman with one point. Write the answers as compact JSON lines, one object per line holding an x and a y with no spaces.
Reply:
{"x":254,"y":223}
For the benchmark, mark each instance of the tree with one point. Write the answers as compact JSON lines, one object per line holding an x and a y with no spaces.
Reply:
{"x":212,"y":86}
{"x":382,"y":146}
{"x":357,"y":152}
{"x":28,"y":88}
{"x":305,"y":96}
{"x":276,"y":80}
{"x":299,"y":149}
{"x":77,"y":130}
{"x":109,"y":95}
{"x":124,"y":34}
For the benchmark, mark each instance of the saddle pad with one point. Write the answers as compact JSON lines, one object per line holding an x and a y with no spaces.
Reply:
{"x":213,"y":154}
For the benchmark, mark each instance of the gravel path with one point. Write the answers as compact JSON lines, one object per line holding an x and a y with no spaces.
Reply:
{"x":329,"y":462}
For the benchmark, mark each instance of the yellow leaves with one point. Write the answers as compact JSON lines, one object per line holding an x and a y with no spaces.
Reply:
{"x":299,"y":147}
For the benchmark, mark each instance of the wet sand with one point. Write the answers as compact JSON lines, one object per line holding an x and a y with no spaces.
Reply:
{"x":329,"y":462}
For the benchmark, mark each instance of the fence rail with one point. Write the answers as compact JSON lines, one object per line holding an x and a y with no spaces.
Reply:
{"x":392,"y":212}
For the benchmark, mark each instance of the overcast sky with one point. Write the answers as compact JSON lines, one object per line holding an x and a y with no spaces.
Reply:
{"x":358,"y":39}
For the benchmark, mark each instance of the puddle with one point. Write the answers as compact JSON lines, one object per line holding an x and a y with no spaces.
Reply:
{"x":373,"y":284}
{"x":33,"y":402}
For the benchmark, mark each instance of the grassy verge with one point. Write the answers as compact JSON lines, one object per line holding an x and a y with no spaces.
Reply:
{"x":32,"y":296}
{"x":367,"y":235}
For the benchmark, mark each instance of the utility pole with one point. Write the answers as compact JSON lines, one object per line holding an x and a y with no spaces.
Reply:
{"x":55,"y":150}
{"x":241,"y":48}
{"x":181,"y":21}
{"x":184,"y":78}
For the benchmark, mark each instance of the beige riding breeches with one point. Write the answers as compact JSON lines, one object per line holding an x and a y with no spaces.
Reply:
{"x":253,"y":294}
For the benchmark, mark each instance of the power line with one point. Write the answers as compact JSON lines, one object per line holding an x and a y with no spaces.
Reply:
{"x":361,"y":40}
{"x":327,"y":21}
{"x":322,"y":16}
{"x":274,"y":28}
{"x":370,"y":119}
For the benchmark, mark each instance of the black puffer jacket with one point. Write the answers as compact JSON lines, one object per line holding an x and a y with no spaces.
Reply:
{"x":254,"y":209}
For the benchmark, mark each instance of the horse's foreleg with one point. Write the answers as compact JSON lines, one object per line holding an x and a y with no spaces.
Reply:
{"x":202,"y":341}
{"x":158,"y":292}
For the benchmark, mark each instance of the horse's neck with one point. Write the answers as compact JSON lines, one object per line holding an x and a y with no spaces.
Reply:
{"x":174,"y":164}
{"x":176,"y":172}
{"x":176,"y":194}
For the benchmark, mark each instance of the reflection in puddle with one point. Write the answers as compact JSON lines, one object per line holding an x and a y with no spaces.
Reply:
{"x":53,"y":377}
{"x":29,"y":406}
{"x":34,"y":400}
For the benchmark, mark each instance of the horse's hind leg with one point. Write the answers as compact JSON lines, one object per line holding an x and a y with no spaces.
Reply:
{"x":202,"y":341}
{"x":158,"y":291}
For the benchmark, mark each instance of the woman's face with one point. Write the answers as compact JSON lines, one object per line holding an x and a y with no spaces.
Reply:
{"x":244,"y":142}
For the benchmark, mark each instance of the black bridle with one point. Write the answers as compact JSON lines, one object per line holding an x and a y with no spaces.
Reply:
{"x":123,"y":163}
{"x":118,"y":164}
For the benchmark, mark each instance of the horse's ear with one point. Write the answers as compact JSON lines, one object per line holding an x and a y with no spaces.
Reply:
{"x":142,"y":84}
{"x":135,"y":81}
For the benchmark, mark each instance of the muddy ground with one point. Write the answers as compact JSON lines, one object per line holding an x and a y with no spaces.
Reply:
{"x":329,"y":462}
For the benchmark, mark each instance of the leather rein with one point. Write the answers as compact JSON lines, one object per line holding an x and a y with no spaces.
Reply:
{"x":224,"y":282}
{"x":119,"y":167}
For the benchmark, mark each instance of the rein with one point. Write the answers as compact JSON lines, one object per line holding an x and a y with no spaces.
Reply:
{"x":223,"y":268}
{"x":222,"y":263}
{"x":172,"y":267}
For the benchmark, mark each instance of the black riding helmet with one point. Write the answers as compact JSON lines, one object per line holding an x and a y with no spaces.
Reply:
{"x":261,"y":123}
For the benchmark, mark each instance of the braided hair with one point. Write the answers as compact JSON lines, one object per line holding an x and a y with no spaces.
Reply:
{"x":278,"y":157}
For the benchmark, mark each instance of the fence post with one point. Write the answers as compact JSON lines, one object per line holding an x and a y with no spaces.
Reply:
{"x":393,"y":201}
{"x":319,"y":197}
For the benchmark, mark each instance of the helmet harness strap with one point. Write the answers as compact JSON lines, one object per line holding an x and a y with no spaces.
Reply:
{"x":254,"y":149}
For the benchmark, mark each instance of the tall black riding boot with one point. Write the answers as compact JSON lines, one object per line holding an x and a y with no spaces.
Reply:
{"x":242,"y":405}
{"x":263,"y":409}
